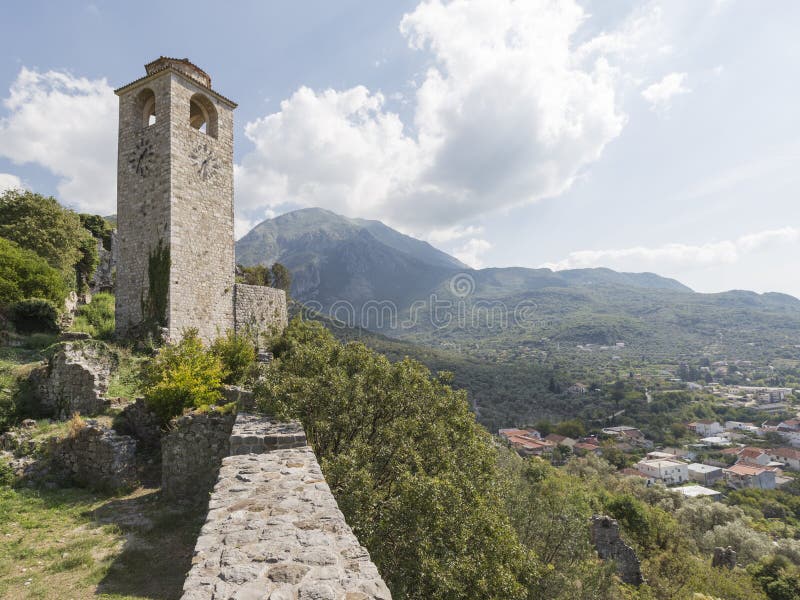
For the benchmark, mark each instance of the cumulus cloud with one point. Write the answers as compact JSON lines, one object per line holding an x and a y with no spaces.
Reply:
{"x":68,"y":125}
{"x":661,"y":93}
{"x":509,"y":112}
{"x":678,"y":256}
{"x":9,"y":182}
{"x":470,"y":253}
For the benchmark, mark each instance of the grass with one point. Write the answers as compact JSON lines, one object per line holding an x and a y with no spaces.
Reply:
{"x":125,"y":379}
{"x":71,"y":543}
{"x":97,"y":317}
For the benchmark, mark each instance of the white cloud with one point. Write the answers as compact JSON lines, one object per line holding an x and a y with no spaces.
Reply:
{"x":661,"y":93}
{"x":9,"y":182}
{"x":449,"y":234}
{"x":510,"y":112}
{"x":669,"y":257}
{"x":470,"y":253}
{"x":68,"y":125}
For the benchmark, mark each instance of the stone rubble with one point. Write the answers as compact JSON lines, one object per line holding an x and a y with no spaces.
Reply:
{"x":75,"y":379}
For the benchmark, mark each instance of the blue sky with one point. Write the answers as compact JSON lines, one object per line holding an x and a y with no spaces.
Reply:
{"x":643,"y":136}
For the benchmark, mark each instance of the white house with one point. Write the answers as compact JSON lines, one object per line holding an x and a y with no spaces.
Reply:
{"x":698,"y":491}
{"x":666,"y":470}
{"x":706,"y":428}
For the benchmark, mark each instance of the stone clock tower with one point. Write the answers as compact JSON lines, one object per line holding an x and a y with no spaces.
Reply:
{"x":175,"y":264}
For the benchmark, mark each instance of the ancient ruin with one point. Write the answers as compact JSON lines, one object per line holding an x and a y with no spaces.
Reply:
{"x":610,"y":546}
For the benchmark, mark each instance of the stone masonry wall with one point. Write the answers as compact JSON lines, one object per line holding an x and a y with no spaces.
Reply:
{"x":191,"y":454}
{"x":96,"y":457}
{"x":201,"y":223}
{"x":75,"y":379}
{"x":609,"y":545}
{"x":143,"y":200}
{"x":260,"y":308}
{"x":274,"y":530}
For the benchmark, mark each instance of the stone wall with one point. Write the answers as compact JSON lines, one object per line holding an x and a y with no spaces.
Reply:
{"x":609,"y":545}
{"x":103,"y":278}
{"x":137,"y":420}
{"x":96,"y":457}
{"x":274,"y":530}
{"x":260,"y":308}
{"x":191,"y":454}
{"x":75,"y":379}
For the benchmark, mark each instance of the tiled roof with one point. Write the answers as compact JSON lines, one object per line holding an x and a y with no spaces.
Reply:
{"x":741,"y":469}
{"x":787,"y":453}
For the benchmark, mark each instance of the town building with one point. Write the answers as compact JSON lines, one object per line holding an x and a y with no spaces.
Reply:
{"x":789,"y":457}
{"x":698,"y":491}
{"x":704,"y":474}
{"x":741,"y":476}
{"x":667,"y":471}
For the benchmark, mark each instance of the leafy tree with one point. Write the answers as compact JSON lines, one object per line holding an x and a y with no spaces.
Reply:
{"x":255,"y":275}
{"x":182,"y":376}
{"x":573,"y":428}
{"x":55,"y":233}
{"x":413,"y":473}
{"x":281,"y":277}
{"x":98,"y":227}
{"x":24,"y":274}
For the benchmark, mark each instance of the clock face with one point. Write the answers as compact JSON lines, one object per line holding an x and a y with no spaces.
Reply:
{"x":141,"y":159}
{"x":206,"y":164}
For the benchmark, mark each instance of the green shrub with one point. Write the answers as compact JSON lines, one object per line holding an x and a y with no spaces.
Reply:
{"x":24,"y":274}
{"x":238,"y":355}
{"x":97,"y":317}
{"x":35,"y":315}
{"x":182,"y":376}
{"x":6,"y":474}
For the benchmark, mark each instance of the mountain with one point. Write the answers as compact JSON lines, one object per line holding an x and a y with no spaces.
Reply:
{"x":364,"y":273}
{"x":334,"y":258}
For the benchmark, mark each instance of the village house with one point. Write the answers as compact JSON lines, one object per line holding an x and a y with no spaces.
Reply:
{"x":706,"y":428}
{"x":789,"y":457}
{"x":577,"y":388}
{"x":705,"y":474}
{"x":698,"y":491}
{"x":740,"y":426}
{"x":741,"y":476}
{"x":529,"y":433}
{"x":560,"y":440}
{"x":754,"y":456}
{"x":625,"y":433}
{"x":665,"y":470}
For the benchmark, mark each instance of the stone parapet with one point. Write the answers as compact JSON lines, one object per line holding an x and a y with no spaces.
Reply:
{"x":274,"y":531}
{"x":255,"y":434}
{"x":191,"y":454}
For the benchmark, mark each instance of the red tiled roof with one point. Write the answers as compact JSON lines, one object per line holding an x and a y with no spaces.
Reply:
{"x":787,"y":453}
{"x":741,"y":469}
{"x":751,"y":452}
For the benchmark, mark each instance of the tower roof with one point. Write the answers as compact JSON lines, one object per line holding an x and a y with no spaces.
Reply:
{"x":182,"y":66}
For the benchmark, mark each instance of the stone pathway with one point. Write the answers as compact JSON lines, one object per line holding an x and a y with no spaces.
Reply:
{"x":274,"y":531}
